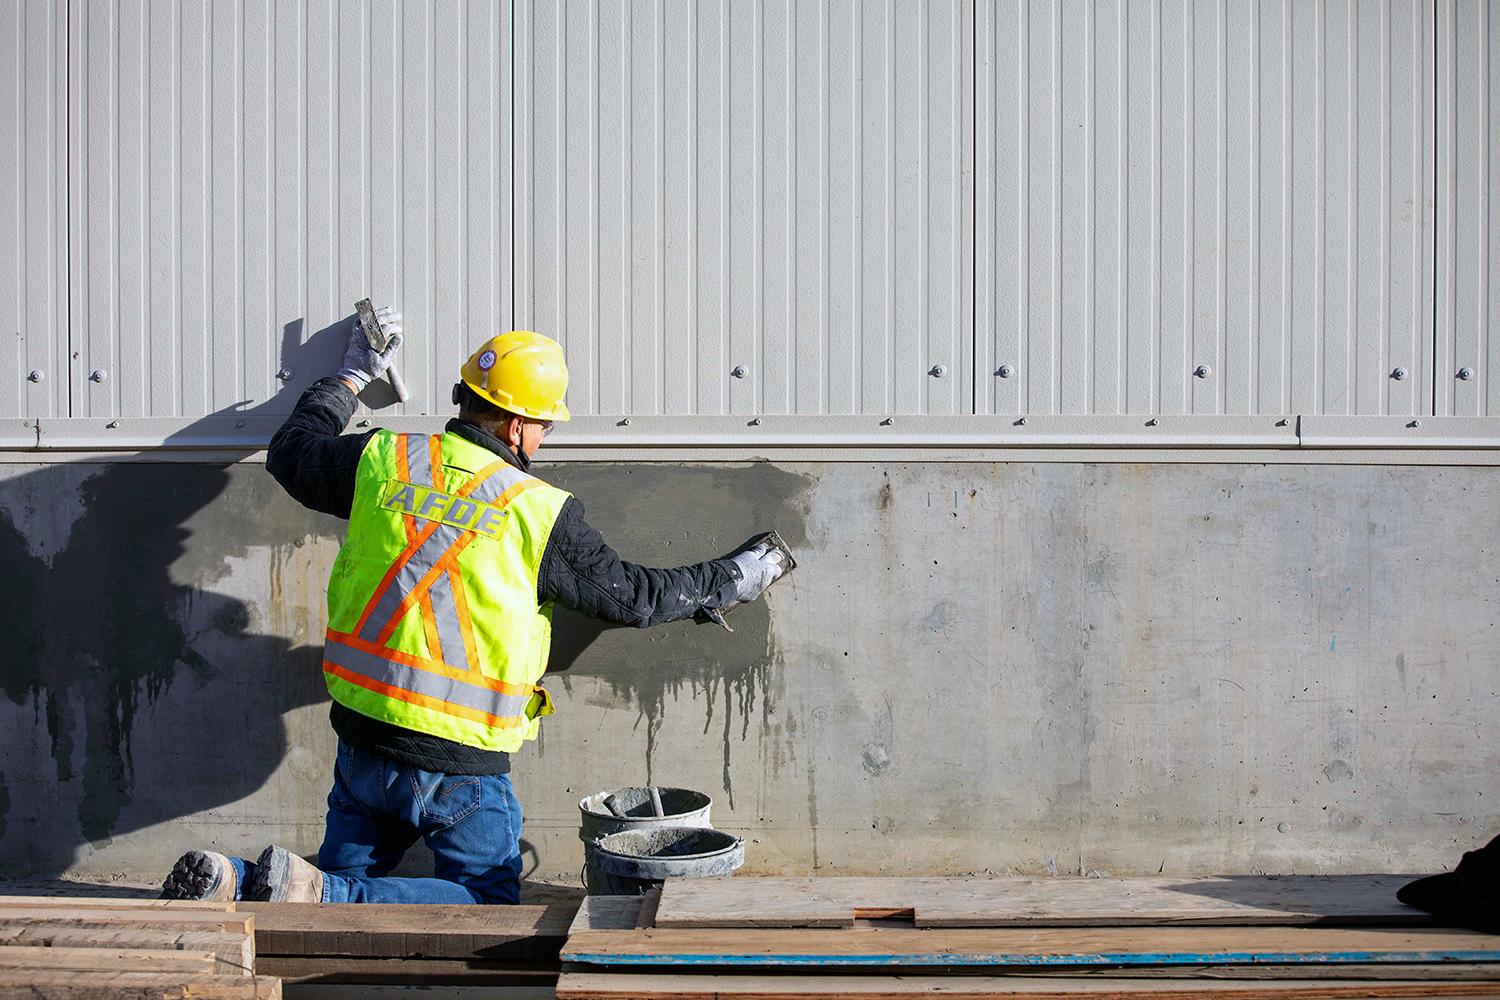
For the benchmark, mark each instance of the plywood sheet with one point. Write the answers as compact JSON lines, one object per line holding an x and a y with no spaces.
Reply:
{"x":613,"y":986}
{"x":1026,"y":947}
{"x":1052,"y":902}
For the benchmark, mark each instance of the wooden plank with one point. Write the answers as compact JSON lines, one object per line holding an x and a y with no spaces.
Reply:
{"x":116,"y":903}
{"x":302,"y":969}
{"x":233,"y":949}
{"x":1053,"y":902}
{"x":117,"y":960}
{"x":1455,"y":971}
{"x":1023,"y":947}
{"x":77,"y":985}
{"x":411,"y":930}
{"x":614,"y":913}
{"x":321,"y":991}
{"x":198,"y":920}
{"x":617,"y":986}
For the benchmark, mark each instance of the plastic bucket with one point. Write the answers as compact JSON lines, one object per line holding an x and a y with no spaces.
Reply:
{"x":683,"y":807}
{"x":633,"y":862}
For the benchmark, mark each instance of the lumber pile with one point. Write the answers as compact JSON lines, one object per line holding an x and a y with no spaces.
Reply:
{"x":1238,"y":938}
{"x":93,"y":948}
{"x":411,"y":944}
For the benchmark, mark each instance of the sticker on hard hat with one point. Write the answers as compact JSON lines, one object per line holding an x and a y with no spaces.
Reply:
{"x":435,"y":505}
{"x":486,"y":361}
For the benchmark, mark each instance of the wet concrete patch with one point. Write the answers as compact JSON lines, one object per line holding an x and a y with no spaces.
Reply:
{"x":672,"y":516}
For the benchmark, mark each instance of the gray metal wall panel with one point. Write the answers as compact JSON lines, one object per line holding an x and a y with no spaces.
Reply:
{"x":1468,"y":308}
{"x":780,"y":186}
{"x":33,"y":208}
{"x":1165,"y":185}
{"x":242,"y":172}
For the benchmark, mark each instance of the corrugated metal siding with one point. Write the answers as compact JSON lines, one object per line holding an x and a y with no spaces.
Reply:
{"x":1468,"y":315}
{"x":33,"y":207}
{"x":243,"y":172}
{"x":869,"y":207}
{"x":777,"y":187}
{"x":1165,"y":185}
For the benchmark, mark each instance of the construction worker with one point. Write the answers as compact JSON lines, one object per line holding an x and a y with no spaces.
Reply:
{"x":439,"y":621}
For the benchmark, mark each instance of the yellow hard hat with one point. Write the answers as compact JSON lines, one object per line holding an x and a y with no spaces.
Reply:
{"x":522,"y":373}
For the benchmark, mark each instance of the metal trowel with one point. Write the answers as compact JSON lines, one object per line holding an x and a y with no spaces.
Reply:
{"x":716,"y":615}
{"x":365,"y":310}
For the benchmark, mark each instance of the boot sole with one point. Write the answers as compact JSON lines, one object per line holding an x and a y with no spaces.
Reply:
{"x":199,"y":875}
{"x":272,"y":873}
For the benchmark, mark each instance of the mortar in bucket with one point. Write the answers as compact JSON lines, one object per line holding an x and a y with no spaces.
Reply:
{"x":680,"y":807}
{"x":635,"y":861}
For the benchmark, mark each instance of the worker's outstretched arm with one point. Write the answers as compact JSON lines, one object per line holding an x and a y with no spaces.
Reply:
{"x":580,"y":571}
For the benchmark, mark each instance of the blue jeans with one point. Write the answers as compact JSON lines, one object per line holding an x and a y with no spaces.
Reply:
{"x":377,"y":809}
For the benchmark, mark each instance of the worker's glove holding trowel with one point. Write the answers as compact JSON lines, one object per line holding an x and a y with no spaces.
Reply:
{"x":363,"y":364}
{"x":756,"y":565}
{"x":754,"y":570}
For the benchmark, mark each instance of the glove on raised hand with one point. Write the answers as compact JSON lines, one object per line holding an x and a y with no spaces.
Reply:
{"x":362,"y":363}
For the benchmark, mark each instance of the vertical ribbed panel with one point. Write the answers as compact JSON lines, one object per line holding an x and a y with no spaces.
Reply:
{"x":1468,"y":298}
{"x":779,"y":187}
{"x":243,"y":172}
{"x":34,"y":208}
{"x":1171,"y":184}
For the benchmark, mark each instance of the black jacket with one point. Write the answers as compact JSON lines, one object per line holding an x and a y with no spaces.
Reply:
{"x":317,"y":463}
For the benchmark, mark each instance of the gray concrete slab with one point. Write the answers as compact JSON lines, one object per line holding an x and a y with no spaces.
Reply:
{"x":1009,"y":668}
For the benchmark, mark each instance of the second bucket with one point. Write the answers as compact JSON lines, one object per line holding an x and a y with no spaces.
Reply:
{"x":680,"y":807}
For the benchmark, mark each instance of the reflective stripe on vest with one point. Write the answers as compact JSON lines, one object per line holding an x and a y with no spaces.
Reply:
{"x":425,"y":579}
{"x":439,"y":687}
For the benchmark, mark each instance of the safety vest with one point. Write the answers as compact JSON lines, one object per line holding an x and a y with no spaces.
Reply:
{"x":433,"y":618}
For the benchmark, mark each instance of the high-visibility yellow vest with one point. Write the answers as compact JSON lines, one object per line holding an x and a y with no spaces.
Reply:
{"x":433,"y":618}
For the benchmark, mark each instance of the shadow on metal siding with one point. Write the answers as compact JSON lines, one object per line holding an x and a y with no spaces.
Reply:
{"x":777,"y":190}
{"x":1185,"y":183}
{"x":243,"y":172}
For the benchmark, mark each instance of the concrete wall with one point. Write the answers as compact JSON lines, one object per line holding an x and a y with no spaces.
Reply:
{"x":1050,"y":667}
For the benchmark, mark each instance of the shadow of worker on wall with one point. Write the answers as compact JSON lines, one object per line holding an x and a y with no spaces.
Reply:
{"x":162,"y":619}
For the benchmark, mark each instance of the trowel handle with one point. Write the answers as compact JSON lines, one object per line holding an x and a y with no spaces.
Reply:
{"x":397,"y":385}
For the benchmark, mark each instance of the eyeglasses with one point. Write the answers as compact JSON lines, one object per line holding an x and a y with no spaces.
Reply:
{"x":546,"y":426}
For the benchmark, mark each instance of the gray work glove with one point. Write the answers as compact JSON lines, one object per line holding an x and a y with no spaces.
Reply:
{"x":753,"y":571}
{"x":362,"y":363}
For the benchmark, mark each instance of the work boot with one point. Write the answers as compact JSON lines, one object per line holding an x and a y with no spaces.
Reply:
{"x":282,"y":877}
{"x":201,"y":875}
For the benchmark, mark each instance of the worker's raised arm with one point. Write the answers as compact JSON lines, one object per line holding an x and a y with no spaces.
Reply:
{"x":310,"y":455}
{"x":581,"y":571}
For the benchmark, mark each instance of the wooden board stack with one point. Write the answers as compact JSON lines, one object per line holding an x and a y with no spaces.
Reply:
{"x":86,"y":948}
{"x":411,"y":944}
{"x":1233,"y":938}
